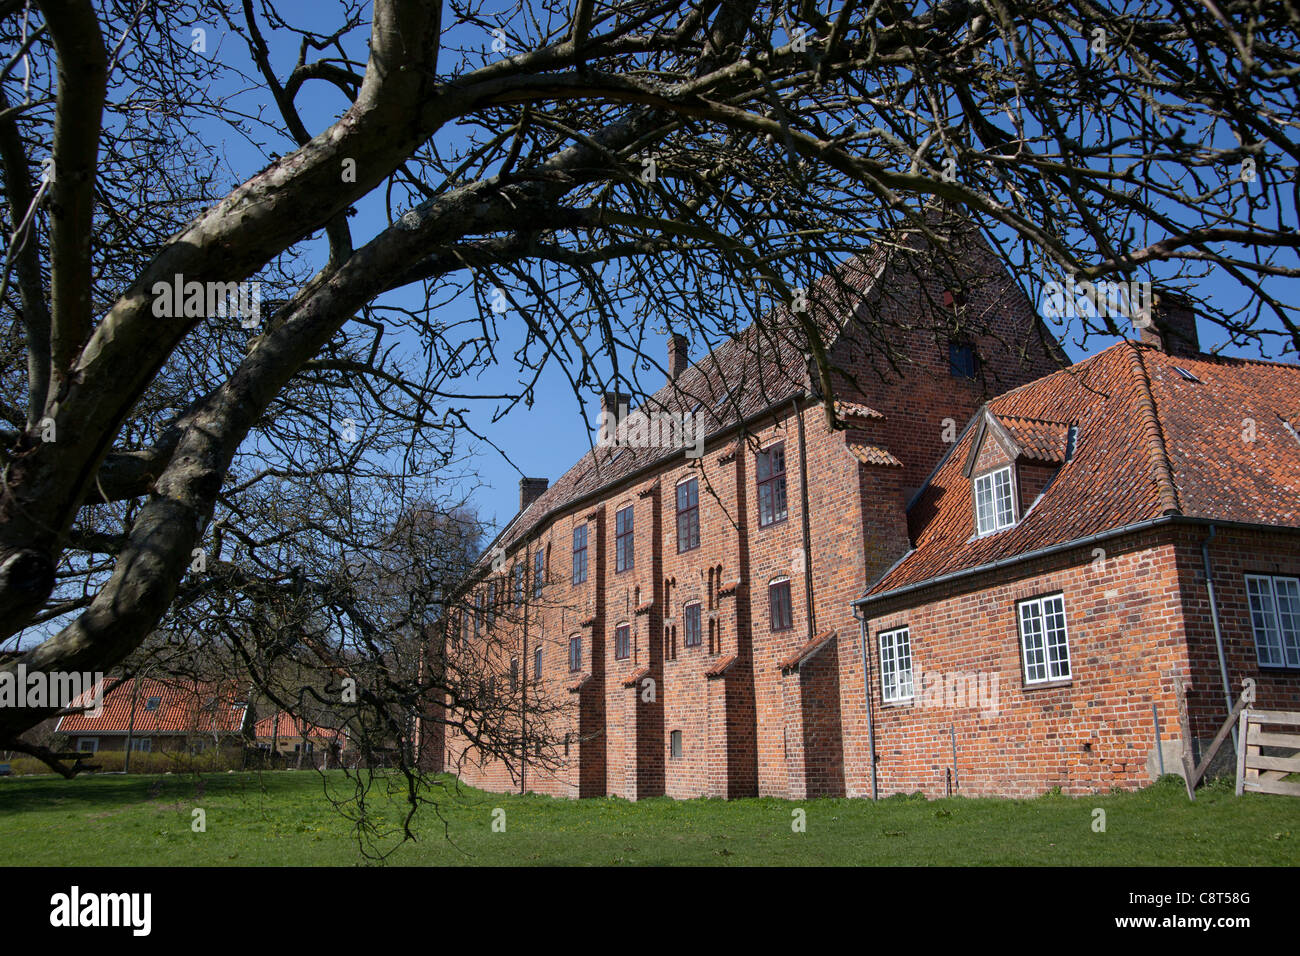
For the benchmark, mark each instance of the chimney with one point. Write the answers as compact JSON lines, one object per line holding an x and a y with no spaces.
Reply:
{"x":677,"y":360}
{"x":1172,"y":328}
{"x":530,"y":489}
{"x":613,"y":403}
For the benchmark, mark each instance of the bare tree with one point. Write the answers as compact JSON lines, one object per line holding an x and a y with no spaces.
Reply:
{"x":585,"y":174}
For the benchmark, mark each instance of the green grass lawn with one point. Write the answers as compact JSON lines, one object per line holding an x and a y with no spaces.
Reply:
{"x":287,"y":818}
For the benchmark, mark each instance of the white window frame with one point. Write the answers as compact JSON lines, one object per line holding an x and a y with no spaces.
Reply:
{"x":1000,"y":521}
{"x":143,"y":745}
{"x":1038,"y":664}
{"x":895,"y":646}
{"x":1269,"y":621}
{"x":94,"y":745}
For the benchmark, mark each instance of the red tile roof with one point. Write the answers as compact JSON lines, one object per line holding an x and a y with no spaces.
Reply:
{"x":855,"y":410}
{"x":1150,"y":442}
{"x":181,"y":707}
{"x":634,"y":678}
{"x":291,"y":727}
{"x":873,"y":455}
{"x":807,"y":651}
{"x":721,"y":667}
{"x":576,"y":684}
{"x":1038,"y":440}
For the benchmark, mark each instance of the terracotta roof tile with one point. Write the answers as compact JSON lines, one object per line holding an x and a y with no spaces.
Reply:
{"x":1038,"y":440}
{"x":855,"y":410}
{"x":576,"y":684}
{"x":721,"y":667}
{"x":808,"y":650}
{"x":290,"y":727}
{"x":1150,"y":442}
{"x":163,"y":707}
{"x":873,"y":455}
{"x":635,"y":677}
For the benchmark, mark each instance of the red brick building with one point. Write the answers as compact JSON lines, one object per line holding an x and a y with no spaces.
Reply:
{"x":663,"y":622}
{"x":1093,"y":539}
{"x":683,"y":625}
{"x":159,"y":715}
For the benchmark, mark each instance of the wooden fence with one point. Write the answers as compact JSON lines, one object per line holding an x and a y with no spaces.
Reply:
{"x":1260,"y":773}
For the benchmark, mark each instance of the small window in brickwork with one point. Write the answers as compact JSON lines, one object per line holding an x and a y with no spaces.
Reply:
{"x":691,"y":619}
{"x":622,"y":642}
{"x":896,"y":665}
{"x":539,"y":571}
{"x":675,"y":744}
{"x":994,"y":502}
{"x":575,"y":654}
{"x":770,"y":473}
{"x":514,"y":674}
{"x":478,"y":614}
{"x":580,"y":554}
{"x":780,"y":610}
{"x":518,"y":572}
{"x":491,"y":604}
{"x":1045,"y":643}
{"x":623,"y":540}
{"x":1275,"y":619}
{"x":963,"y":362}
{"x":537,"y":666}
{"x":688,"y":515}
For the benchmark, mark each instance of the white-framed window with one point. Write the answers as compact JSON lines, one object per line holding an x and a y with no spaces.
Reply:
{"x":995,"y":507}
{"x":1044,"y":641}
{"x":142,"y":745}
{"x":895,"y":665}
{"x":1275,"y":619}
{"x":87,"y":745}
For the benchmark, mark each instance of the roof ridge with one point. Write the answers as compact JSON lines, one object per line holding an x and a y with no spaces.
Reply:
{"x":1213,"y":358}
{"x":1157,"y":450}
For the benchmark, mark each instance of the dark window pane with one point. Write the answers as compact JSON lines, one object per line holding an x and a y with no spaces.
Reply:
{"x":692,"y":625}
{"x":781,"y":613}
{"x":580,"y":554}
{"x":962,"y":362}
{"x":623,"y":555}
{"x":688,"y":515}
{"x":771,"y":486}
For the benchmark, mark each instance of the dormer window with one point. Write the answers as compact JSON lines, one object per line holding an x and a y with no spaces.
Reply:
{"x":994,"y":501}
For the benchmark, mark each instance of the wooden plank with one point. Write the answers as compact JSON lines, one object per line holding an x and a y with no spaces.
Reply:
{"x":1276,"y":786}
{"x":1243,"y":723}
{"x":1219,"y":738}
{"x":1258,"y":736}
{"x":1289,"y":717}
{"x":1185,"y":728}
{"x":1283,"y":764}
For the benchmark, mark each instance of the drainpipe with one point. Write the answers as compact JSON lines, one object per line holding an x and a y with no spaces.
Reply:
{"x":1214,"y":618}
{"x":866,"y":683}
{"x":807,"y":530}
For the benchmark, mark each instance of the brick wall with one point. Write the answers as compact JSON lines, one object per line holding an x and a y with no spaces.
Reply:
{"x":1013,"y":738}
{"x":747,"y":725}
